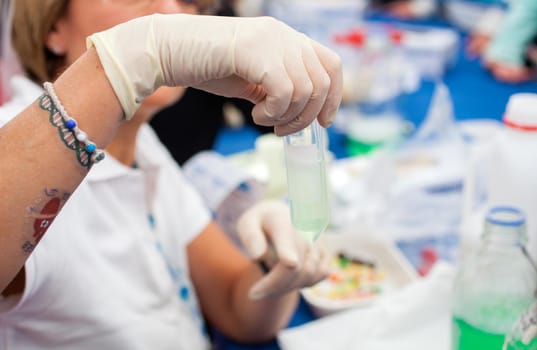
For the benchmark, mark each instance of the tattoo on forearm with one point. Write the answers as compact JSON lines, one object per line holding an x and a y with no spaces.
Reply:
{"x":66,"y":135}
{"x":41,"y":214}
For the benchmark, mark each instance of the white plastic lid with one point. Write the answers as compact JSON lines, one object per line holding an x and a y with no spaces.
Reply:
{"x":521,"y":111}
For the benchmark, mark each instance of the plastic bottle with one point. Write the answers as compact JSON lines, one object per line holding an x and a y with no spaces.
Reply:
{"x":505,"y":171}
{"x":494,"y":285}
{"x":307,"y":183}
{"x":515,"y":178}
{"x":523,"y":336}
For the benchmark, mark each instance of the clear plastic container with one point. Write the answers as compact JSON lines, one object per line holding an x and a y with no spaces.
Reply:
{"x":307,"y":183}
{"x":495,"y":285}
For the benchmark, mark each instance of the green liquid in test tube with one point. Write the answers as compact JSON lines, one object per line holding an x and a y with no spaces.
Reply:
{"x":305,"y":153}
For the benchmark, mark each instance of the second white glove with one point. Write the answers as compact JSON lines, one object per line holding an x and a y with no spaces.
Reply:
{"x":266,"y":233}
{"x":291,"y":78}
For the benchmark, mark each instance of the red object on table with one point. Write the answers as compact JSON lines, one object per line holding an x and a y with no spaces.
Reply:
{"x":429,"y":256}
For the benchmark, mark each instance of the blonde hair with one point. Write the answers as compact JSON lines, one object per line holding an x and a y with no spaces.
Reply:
{"x":32,"y":21}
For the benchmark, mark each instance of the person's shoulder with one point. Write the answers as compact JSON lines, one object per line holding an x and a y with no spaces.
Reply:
{"x":24,"y":93}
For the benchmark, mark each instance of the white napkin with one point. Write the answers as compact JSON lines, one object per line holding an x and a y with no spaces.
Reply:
{"x":415,"y":318}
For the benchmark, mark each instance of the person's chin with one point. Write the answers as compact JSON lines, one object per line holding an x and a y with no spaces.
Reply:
{"x":160,"y":99}
{"x":163,"y":97}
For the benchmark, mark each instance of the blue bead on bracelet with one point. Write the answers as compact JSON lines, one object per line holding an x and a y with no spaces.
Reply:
{"x":94,"y":154}
{"x":70,"y":124}
{"x":90,"y":147}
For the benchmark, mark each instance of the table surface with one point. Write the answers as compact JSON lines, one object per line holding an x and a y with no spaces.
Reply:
{"x":475,"y":94}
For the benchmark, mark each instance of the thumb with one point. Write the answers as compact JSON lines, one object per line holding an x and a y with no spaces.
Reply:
{"x":279,"y":280}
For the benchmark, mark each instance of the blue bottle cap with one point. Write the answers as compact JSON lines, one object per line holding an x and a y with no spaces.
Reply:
{"x":506,"y":216}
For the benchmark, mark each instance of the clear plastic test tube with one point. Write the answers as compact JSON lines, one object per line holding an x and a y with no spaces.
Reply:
{"x":307,"y":188}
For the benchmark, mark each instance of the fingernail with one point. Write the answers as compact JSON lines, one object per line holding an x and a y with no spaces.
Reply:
{"x":293,"y":260}
{"x":290,"y":258}
{"x":331,"y":118}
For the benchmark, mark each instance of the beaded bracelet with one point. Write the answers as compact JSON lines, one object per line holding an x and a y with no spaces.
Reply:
{"x":73,"y":137}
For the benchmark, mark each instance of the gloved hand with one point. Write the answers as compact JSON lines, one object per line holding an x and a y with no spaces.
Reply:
{"x":267,"y":235}
{"x":291,"y":78}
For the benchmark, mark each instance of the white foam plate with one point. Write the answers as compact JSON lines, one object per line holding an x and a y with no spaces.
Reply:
{"x":385,"y":256}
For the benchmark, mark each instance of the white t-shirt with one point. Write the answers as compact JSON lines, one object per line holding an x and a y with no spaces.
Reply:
{"x":111,"y":271}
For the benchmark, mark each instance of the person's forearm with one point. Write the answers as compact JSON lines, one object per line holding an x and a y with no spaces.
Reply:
{"x":223,"y":278}
{"x":38,"y":171}
{"x":260,"y":320}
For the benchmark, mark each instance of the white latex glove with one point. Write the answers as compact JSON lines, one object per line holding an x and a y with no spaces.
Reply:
{"x":291,"y":78}
{"x":267,"y":235}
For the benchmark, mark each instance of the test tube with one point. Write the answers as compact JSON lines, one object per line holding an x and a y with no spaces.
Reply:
{"x":305,"y":153}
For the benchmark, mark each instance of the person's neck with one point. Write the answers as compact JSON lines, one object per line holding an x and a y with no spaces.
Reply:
{"x":123,"y":146}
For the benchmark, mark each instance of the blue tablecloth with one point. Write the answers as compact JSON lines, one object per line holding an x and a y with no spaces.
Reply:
{"x":475,"y":94}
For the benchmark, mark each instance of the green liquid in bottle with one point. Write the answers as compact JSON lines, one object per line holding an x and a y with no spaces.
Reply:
{"x":308,"y":194}
{"x":467,"y":337}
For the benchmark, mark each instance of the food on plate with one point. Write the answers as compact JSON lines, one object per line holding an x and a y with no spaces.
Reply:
{"x":351,"y":278}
